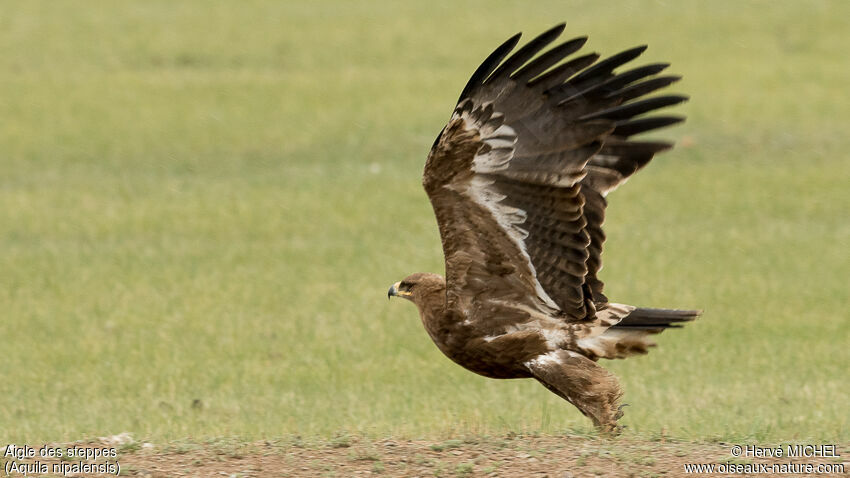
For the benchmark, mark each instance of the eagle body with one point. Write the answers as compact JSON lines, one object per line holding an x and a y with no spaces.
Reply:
{"x":518,"y":180}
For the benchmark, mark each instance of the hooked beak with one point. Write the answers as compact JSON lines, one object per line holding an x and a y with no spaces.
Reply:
{"x":395,"y":292}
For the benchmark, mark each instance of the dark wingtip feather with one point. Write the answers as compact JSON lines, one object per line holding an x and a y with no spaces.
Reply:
{"x":639,"y":89}
{"x":608,"y":65}
{"x":488,"y":65}
{"x":642,"y":125}
{"x":527,"y":52}
{"x":613,"y":87}
{"x":554,"y":32}
{"x":631,"y":110}
{"x":635,"y":74}
{"x":625,"y":148}
{"x":553,"y":79}
{"x":549,"y":59}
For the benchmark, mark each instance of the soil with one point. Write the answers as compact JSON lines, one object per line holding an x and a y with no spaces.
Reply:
{"x":512,"y":456}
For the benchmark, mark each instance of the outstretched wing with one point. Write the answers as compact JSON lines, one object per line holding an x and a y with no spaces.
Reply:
{"x":518,"y":177}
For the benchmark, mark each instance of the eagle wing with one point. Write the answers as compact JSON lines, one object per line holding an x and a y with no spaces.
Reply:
{"x":519,"y":175}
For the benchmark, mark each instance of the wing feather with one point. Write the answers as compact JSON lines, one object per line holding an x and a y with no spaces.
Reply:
{"x":557,"y":75}
{"x":549,"y":59}
{"x":606,"y":89}
{"x":639,"y":89}
{"x":642,"y":125}
{"x":518,"y":177}
{"x":527,"y":52}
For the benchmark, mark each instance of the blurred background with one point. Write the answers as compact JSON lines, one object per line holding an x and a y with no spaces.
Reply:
{"x":202,"y":204}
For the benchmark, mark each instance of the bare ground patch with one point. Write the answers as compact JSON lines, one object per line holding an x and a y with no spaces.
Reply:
{"x":512,"y":456}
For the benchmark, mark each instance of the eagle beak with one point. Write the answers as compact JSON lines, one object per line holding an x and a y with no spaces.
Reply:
{"x":395,"y":292}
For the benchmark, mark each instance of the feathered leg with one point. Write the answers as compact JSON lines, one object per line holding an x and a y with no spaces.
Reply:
{"x":580,"y":381}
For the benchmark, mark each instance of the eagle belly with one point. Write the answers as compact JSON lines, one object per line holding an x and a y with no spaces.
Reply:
{"x":498,"y":348}
{"x":500,"y":357}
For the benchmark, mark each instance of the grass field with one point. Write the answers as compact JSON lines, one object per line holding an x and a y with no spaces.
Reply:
{"x":202,"y":205}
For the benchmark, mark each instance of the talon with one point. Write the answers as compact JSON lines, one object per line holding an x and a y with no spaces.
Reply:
{"x":611,"y":431}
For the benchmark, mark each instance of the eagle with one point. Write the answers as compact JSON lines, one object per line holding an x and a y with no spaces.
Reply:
{"x":518,"y":181}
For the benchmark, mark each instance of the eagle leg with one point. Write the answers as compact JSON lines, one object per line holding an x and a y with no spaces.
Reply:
{"x":580,"y":381}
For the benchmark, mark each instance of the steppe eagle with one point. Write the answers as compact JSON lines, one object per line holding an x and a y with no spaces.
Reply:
{"x":518,"y":180}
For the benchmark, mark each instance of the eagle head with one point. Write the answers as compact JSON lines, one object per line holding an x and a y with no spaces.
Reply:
{"x":418,"y":287}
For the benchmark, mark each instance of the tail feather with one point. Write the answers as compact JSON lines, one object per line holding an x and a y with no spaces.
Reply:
{"x":656,"y":320}
{"x":632,"y":334}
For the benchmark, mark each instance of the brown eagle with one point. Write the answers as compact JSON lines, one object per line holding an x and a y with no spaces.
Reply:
{"x":518,"y":180}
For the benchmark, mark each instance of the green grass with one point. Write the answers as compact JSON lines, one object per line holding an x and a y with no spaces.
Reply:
{"x":208,"y":200}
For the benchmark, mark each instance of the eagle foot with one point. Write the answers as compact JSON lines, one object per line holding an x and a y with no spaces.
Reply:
{"x":606,"y":421}
{"x":611,"y":430}
{"x":619,"y":414}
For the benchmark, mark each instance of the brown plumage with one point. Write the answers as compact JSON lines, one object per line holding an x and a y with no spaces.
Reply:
{"x":518,"y":180}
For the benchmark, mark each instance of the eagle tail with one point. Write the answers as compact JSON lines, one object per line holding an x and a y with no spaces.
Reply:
{"x":631,"y":335}
{"x":656,"y":320}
